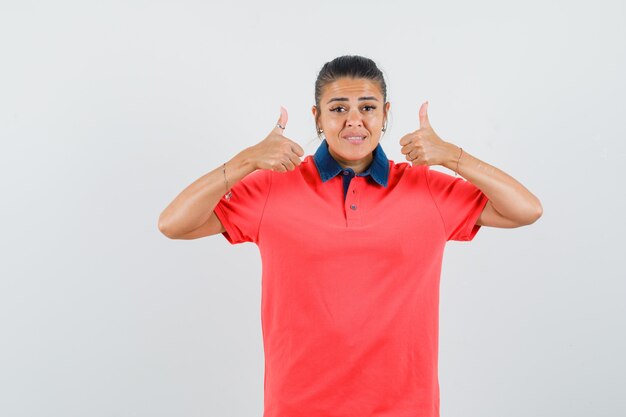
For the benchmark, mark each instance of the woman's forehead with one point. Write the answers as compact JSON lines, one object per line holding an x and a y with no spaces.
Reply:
{"x":349,"y":87}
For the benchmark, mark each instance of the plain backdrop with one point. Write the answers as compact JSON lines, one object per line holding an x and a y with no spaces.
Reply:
{"x":109,"y":109}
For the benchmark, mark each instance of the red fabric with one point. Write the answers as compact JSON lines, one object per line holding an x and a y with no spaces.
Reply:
{"x":350,"y":297}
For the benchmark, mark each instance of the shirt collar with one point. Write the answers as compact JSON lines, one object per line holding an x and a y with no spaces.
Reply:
{"x":328,"y":167}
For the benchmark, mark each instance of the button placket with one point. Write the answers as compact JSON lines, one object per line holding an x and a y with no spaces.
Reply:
{"x":353,"y":209}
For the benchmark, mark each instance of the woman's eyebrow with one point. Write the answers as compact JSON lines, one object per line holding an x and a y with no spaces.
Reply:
{"x":346,"y":99}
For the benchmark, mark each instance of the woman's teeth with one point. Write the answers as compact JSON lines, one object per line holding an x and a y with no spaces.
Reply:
{"x":355,"y":139}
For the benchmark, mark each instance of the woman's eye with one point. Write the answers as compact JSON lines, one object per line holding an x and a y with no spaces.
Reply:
{"x":341,"y":109}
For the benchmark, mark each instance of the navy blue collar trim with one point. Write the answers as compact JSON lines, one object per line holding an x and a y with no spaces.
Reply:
{"x":328,"y":167}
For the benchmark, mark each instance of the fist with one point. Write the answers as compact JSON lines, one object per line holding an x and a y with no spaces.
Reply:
{"x":423,"y":146}
{"x":277,"y":152}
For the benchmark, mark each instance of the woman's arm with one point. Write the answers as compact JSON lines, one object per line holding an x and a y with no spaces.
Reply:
{"x":510,"y":203}
{"x":191,"y":215}
{"x":193,"y":207}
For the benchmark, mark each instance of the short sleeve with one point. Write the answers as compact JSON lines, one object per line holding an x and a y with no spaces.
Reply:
{"x":459,"y":202}
{"x":241,"y":215}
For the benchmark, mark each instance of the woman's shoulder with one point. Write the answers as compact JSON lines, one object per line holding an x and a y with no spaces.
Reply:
{"x":405,"y":168}
{"x":307,"y":170}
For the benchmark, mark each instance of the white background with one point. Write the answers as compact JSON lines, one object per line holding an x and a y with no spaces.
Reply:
{"x":109,"y":109}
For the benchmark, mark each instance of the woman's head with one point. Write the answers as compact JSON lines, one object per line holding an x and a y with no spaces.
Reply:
{"x":349,"y":66}
{"x":351,"y":101}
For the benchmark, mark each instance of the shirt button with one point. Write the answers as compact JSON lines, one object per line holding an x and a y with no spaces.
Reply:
{"x":346,"y":173}
{"x":353,"y":206}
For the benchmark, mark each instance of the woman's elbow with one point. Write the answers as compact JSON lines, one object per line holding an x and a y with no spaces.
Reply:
{"x":164,"y":228}
{"x":534,"y":215}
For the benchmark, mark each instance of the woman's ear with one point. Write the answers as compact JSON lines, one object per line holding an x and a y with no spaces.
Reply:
{"x":315,"y":117}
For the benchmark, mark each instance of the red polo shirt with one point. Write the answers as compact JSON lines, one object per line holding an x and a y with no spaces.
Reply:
{"x":350,"y":289}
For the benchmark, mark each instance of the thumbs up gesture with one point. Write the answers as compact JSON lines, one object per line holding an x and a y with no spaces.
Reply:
{"x":424,"y":146}
{"x":277,"y":152}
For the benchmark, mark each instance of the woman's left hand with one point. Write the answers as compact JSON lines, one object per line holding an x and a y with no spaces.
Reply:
{"x":424,"y":146}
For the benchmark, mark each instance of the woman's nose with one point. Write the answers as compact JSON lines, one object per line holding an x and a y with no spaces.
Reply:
{"x":354,"y":118}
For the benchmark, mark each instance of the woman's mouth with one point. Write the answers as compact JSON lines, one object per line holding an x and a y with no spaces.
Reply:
{"x":355,"y":139}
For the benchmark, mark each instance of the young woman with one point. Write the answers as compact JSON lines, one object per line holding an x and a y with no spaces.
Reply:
{"x":351,"y":246}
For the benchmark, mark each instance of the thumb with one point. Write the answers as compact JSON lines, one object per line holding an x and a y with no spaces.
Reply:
{"x":424,"y":122}
{"x":282,"y":121}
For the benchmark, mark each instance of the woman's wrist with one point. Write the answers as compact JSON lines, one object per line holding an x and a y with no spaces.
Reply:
{"x":451,"y":158}
{"x":236,"y":169}
{"x":243,"y":162}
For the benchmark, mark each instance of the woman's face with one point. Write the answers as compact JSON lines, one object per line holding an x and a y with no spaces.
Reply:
{"x":352,"y":114}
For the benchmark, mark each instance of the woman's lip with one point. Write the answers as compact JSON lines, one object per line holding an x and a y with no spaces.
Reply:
{"x":355,"y":141}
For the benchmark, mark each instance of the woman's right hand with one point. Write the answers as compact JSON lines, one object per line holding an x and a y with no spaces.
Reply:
{"x":276,"y":152}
